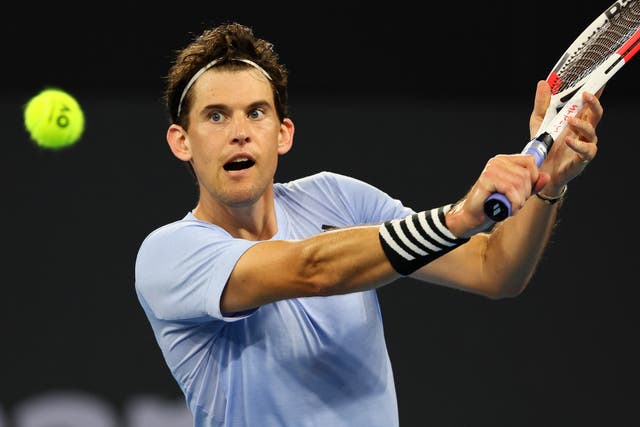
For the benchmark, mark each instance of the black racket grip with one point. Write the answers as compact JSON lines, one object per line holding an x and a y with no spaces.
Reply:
{"x":497,"y":206}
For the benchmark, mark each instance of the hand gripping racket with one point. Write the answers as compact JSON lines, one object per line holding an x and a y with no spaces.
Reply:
{"x":608,"y":43}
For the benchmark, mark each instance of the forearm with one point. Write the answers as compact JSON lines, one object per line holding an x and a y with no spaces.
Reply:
{"x":498,"y":263}
{"x":514,"y":248}
{"x":345,"y":260}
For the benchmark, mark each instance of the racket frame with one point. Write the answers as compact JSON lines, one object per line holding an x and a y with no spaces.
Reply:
{"x":566,"y":104}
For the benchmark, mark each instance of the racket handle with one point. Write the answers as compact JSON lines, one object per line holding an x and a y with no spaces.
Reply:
{"x":497,"y":206}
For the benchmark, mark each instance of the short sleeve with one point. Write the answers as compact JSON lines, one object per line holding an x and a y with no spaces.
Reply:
{"x":365,"y":203}
{"x":182,"y":268}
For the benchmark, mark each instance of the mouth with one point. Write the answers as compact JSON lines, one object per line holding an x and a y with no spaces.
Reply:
{"x":239,"y":163}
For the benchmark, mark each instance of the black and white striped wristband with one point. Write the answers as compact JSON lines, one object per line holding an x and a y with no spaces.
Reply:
{"x":418,"y":239}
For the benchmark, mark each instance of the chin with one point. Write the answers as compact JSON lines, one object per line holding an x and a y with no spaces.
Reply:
{"x":242,"y":199}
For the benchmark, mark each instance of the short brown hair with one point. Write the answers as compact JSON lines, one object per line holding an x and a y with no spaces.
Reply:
{"x":223,"y":43}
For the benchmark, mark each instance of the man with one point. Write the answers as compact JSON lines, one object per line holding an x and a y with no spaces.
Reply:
{"x":262,"y":298}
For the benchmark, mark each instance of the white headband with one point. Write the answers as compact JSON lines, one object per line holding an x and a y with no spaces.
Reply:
{"x":211,"y":64}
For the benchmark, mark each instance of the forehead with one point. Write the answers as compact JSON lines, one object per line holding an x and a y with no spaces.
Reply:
{"x":229,"y":87}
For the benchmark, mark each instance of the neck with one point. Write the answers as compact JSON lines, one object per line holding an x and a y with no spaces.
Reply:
{"x":256,"y":221}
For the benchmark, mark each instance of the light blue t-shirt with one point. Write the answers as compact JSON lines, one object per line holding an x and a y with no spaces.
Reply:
{"x":303,"y":362}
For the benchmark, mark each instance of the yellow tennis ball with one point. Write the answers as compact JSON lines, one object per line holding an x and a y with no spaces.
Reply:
{"x":54,"y":119}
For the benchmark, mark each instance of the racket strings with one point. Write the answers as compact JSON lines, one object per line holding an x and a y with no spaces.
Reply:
{"x":605,"y":40}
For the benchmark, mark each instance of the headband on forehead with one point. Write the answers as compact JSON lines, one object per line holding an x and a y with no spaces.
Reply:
{"x":211,"y":64}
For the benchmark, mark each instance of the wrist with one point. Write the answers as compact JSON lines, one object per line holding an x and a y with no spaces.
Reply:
{"x":553,"y":190}
{"x":462,"y":224}
{"x":412,"y":242}
{"x":554,"y":196}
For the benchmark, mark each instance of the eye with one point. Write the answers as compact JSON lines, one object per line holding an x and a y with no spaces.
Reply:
{"x":216,"y":116}
{"x":256,"y":114}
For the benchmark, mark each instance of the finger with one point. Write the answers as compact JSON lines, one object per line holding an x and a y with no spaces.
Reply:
{"x":586,"y":151}
{"x":540,"y":105}
{"x":542,"y":99}
{"x":543,"y":179}
{"x":512,"y":175}
{"x":520,"y":167}
{"x":584,"y":140}
{"x":592,"y":109}
{"x":583,"y":129}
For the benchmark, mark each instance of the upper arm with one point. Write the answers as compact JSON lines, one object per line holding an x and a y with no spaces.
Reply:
{"x":331,"y":263}
{"x":308,"y":263}
{"x":181,"y":270}
{"x":266,"y":272}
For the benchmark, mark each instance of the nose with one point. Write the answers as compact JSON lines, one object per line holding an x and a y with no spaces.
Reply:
{"x":239,"y":131}
{"x":241,"y":139}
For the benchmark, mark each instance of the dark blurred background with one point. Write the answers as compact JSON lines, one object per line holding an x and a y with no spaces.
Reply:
{"x":389,"y":94}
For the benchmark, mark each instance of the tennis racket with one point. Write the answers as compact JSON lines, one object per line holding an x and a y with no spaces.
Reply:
{"x":599,"y":52}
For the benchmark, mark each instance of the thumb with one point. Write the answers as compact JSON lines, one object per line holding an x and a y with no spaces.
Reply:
{"x":543,"y":179}
{"x":540,"y":105}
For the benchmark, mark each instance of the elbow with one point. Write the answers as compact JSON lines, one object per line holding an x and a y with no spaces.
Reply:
{"x":502,"y":295}
{"x":506,"y":291}
{"x":500,"y":285}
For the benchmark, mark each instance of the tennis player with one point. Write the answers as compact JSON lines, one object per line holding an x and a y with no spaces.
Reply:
{"x":262,"y":297}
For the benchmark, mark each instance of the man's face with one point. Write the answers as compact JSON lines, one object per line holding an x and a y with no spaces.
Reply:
{"x":234,"y":136}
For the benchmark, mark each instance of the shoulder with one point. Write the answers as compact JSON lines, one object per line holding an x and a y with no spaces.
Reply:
{"x":181,"y":265}
{"x":323,"y":181}
{"x":181,"y":233}
{"x":354,"y":200}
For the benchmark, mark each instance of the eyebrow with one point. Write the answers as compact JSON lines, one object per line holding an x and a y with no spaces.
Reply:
{"x":224,"y":107}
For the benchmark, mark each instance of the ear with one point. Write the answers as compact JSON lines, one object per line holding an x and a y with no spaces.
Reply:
{"x":179,"y":142}
{"x":285,"y":138}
